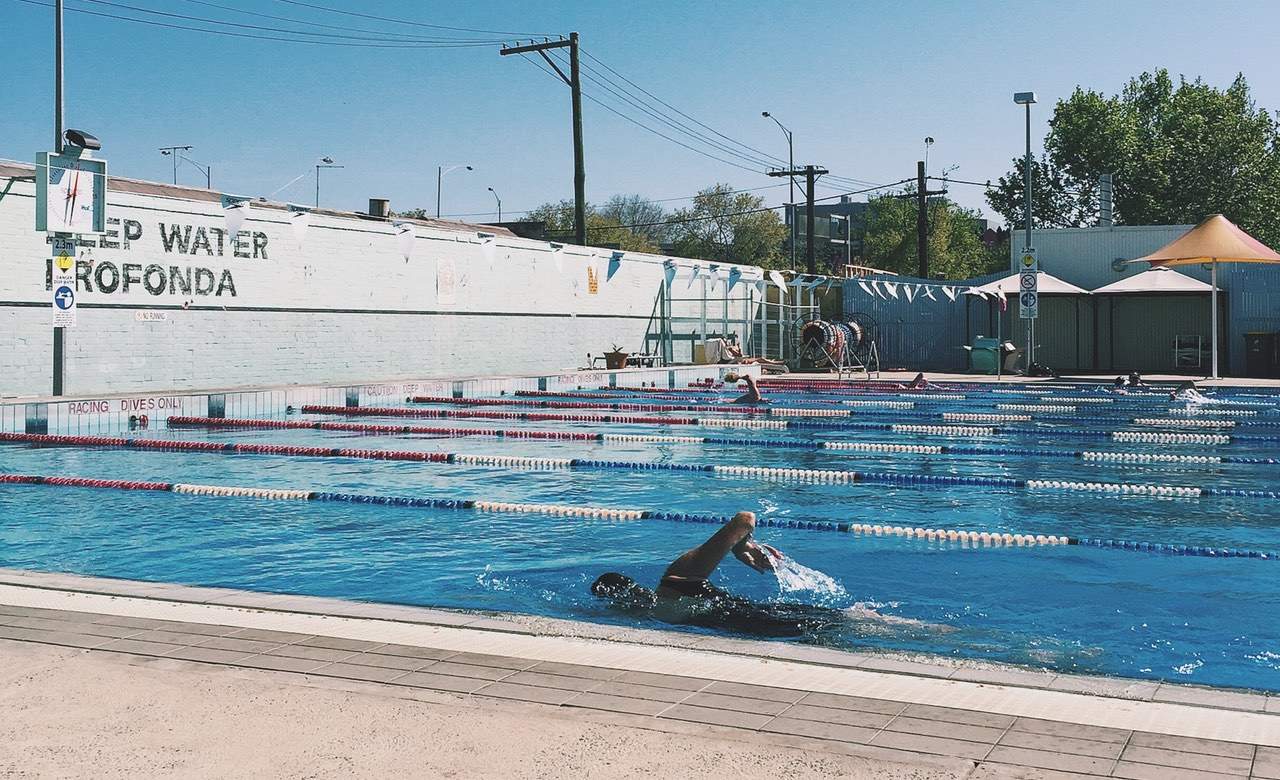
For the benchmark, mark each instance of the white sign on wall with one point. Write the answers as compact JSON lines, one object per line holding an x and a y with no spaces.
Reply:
{"x":64,"y":298}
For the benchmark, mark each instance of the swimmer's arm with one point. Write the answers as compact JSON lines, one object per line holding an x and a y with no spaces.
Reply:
{"x":699,"y":562}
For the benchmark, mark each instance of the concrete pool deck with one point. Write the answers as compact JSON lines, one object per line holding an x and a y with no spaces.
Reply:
{"x":863,"y":714}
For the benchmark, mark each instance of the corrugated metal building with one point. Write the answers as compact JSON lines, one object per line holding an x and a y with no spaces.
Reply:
{"x":1139,"y":331}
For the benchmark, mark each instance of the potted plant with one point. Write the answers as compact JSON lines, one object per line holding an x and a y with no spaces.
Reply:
{"x":616,"y":359}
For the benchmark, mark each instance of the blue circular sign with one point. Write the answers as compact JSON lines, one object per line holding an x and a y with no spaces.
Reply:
{"x":64,"y":297}
{"x":1029,"y":300}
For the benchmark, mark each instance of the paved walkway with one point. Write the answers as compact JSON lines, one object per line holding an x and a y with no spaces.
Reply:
{"x":974,"y":729}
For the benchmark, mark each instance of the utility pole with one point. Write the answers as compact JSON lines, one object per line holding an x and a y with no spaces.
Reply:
{"x":922,"y":220}
{"x":921,"y":197}
{"x":811,"y":174}
{"x":575,"y":90}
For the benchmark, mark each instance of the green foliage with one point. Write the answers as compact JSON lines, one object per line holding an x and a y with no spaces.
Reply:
{"x":955,"y":248}
{"x":729,"y":227}
{"x":601,"y":229}
{"x":1178,"y":152}
{"x":647,"y":217}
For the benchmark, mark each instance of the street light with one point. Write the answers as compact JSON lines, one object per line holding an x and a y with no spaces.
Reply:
{"x":1026,"y":99}
{"x":495,"y":197}
{"x":791,"y":166}
{"x":207,"y":170}
{"x":325,"y":162}
{"x":440,"y":172}
{"x":928,"y":141}
{"x":172,"y":151}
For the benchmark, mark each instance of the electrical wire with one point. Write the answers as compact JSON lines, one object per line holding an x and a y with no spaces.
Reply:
{"x":410,"y":22}
{"x":231,"y":34}
{"x":347,"y":28}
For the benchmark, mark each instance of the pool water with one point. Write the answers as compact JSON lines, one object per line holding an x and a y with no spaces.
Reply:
{"x":1072,"y":608}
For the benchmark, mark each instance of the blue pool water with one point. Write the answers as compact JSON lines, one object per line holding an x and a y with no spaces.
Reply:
{"x":1071,"y":608}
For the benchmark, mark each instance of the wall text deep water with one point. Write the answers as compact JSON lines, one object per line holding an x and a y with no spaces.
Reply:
{"x":105,"y":276}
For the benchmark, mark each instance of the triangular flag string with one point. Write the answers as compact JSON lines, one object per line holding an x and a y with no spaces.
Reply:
{"x":928,"y":293}
{"x":950,"y":292}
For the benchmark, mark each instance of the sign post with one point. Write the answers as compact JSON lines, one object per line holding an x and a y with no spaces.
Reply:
{"x":1029,"y":297}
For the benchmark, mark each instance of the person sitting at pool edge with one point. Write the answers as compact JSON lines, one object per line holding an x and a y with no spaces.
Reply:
{"x":752,"y":396}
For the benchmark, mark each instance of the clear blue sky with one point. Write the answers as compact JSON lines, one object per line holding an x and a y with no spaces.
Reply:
{"x":860,"y":84}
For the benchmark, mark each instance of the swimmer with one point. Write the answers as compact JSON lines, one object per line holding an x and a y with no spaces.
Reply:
{"x":1118,"y":386}
{"x":1186,"y":391}
{"x":1135,"y":379}
{"x":752,"y":396}
{"x":685,"y":594}
{"x":919,"y":383}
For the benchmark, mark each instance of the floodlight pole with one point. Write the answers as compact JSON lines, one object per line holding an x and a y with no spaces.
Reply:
{"x":59,"y":352}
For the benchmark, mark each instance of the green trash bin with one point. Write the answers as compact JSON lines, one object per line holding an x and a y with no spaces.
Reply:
{"x":984,"y":355}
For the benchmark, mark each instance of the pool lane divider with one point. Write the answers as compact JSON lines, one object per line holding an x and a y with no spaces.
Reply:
{"x":938,"y":535}
{"x":786,"y":411}
{"x":777,"y":474}
{"x":848,"y":446}
{"x":1154,"y":437}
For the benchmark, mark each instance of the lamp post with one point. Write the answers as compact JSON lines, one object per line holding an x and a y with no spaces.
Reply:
{"x":791,"y":166}
{"x":1027,"y":99}
{"x":495,"y":197}
{"x":440,"y":172}
{"x":172,"y":151}
{"x":325,"y":162}
{"x":207,"y":170}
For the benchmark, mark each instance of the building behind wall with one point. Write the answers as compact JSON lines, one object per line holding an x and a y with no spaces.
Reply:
{"x":1136,"y":331}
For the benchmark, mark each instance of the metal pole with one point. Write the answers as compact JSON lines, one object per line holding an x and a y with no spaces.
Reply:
{"x":1031,"y":348}
{"x":439,"y":177}
{"x":58,"y":352}
{"x":1213,"y":309}
{"x":317,"y":186}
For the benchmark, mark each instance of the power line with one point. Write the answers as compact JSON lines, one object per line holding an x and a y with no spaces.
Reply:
{"x":348,"y":28}
{"x":244,"y":26}
{"x":765,"y":155}
{"x":407,"y":21}
{"x":231,"y":34}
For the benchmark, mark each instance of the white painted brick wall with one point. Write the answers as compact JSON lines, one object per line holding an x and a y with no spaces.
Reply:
{"x":341,"y":305}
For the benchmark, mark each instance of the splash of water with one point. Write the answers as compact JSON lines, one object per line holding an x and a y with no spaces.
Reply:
{"x":794,"y":576}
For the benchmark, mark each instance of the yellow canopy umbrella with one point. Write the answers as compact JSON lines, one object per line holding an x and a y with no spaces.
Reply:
{"x":1216,"y":240}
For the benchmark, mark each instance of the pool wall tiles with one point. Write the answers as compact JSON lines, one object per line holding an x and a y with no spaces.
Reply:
{"x":341,"y":305}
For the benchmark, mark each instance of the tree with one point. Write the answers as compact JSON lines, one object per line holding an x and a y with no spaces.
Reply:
{"x":648,"y":216}
{"x":601,"y":230}
{"x":729,"y":227}
{"x":956,"y":250}
{"x":1178,"y":153}
{"x":1056,"y":201}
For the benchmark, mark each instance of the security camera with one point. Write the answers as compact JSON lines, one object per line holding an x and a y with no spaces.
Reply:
{"x":82,"y":139}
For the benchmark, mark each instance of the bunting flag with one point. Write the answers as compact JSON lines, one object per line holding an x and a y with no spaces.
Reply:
{"x":928,"y":293}
{"x":669,"y":271}
{"x":406,"y":238}
{"x":489,"y":250}
{"x":761,"y":286}
{"x":977,"y":292}
{"x":299,"y":220}
{"x":615,"y":262}
{"x":695,"y":273}
{"x":780,"y":281}
{"x":557,"y":255}
{"x":910,"y":292}
{"x":892,"y":288}
{"x":950,"y":292}
{"x":735,"y":274}
{"x":862,"y":283}
{"x":235,"y":213}
{"x":1004,"y":303}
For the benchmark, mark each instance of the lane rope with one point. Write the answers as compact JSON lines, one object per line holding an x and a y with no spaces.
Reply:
{"x":936,"y":535}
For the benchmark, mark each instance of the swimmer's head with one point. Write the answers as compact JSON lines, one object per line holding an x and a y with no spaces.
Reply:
{"x":731,"y":377}
{"x":621,"y":589}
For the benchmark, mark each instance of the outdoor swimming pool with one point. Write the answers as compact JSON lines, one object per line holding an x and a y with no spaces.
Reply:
{"x":1153,"y":613}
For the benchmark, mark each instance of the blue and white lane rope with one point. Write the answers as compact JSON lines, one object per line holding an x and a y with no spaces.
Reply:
{"x":964,"y":538}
